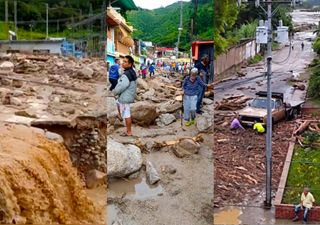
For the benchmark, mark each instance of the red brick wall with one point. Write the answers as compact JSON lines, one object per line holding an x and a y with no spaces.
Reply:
{"x":284,"y":211}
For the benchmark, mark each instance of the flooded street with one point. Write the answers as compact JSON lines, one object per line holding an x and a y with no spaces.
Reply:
{"x":294,"y":67}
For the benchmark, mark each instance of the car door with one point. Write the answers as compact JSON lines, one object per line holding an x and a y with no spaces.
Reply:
{"x":279,"y":111}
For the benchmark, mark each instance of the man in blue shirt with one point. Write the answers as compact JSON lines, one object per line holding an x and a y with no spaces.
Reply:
{"x":114,"y":74}
{"x":202,"y":67}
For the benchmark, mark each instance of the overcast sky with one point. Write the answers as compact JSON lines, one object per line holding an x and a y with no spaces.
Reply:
{"x":147,"y":4}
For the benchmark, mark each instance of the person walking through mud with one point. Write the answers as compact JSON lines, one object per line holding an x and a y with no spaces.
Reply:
{"x":114,"y":74}
{"x":307,"y":202}
{"x":192,"y":85}
{"x":126,"y":91}
{"x":202,"y":67}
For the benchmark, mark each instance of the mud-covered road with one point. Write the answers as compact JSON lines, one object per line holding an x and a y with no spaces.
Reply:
{"x":240,"y":158}
{"x":184,"y":193}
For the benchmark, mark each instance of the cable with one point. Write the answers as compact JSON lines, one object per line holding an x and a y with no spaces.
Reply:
{"x":285,"y":60}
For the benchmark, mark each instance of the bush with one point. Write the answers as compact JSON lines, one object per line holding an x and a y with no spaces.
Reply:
{"x":314,"y":83}
{"x":316,"y":46}
{"x":257,"y":58}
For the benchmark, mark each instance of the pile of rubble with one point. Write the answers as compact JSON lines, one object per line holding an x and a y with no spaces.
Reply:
{"x":239,"y":160}
{"x":63,"y":86}
{"x":232,"y":103}
{"x":61,"y":68}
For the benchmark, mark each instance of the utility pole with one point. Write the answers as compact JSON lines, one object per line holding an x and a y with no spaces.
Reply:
{"x":179,"y":29}
{"x":268,"y":201}
{"x":15,"y":19}
{"x":269,"y":113}
{"x":6,"y":11}
{"x":6,"y":19}
{"x":47,"y":21}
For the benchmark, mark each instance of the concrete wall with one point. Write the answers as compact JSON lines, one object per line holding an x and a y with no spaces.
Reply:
{"x":54,"y":47}
{"x":235,"y":56}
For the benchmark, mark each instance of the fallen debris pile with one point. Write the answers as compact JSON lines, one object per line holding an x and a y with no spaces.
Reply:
{"x":232,"y":103}
{"x":49,"y":85}
{"x":239,"y":161}
{"x":308,"y":133}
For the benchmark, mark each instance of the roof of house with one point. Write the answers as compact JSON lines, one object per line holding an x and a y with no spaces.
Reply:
{"x":124,"y":4}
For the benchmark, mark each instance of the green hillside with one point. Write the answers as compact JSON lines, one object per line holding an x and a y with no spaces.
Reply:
{"x":31,"y":16}
{"x":161,"y":25}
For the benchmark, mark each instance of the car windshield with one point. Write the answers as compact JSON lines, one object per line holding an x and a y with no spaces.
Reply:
{"x":261,"y":103}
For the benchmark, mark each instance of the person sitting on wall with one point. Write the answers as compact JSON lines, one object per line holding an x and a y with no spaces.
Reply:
{"x":307,"y":201}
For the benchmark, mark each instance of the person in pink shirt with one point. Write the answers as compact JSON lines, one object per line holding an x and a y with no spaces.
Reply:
{"x":236,"y":124}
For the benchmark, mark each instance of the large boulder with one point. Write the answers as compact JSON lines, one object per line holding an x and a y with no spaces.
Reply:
{"x":169,"y":106}
{"x":112,"y":110}
{"x":186,"y":147}
{"x":144,"y":113}
{"x":122,"y":160}
{"x":86,"y":72}
{"x":148,"y":94}
{"x":6,"y":65}
{"x":203,"y":123}
{"x":152,"y":174}
{"x":165,"y":119}
{"x":142,"y":84}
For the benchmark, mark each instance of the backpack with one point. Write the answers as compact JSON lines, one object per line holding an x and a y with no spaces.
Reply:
{"x":114,"y":72}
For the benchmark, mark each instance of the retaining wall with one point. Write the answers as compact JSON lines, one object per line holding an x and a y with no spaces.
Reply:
{"x":286,"y":211}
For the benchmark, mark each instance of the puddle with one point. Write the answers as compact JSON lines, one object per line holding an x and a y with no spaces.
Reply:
{"x":112,"y":214}
{"x":134,"y":189}
{"x":227,"y":216}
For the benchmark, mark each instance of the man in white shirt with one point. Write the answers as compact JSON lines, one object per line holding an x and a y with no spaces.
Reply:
{"x":307,"y":201}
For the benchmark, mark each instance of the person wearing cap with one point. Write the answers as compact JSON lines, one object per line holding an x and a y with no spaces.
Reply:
{"x":192,"y":85}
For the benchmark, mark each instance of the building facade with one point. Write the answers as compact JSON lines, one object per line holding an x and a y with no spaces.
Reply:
{"x":119,"y":40}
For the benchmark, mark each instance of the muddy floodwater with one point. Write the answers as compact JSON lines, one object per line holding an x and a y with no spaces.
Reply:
{"x":228,"y":216}
{"x":39,"y":185}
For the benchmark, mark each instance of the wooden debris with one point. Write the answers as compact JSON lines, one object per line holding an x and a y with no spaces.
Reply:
{"x":37,"y":58}
{"x":251,"y":179}
{"x":233,"y":103}
{"x":302,"y":127}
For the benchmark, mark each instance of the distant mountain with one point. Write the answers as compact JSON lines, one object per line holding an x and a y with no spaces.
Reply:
{"x":161,"y":25}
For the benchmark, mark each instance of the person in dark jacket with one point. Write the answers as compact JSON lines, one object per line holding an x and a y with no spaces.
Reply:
{"x":151,"y":69}
{"x":126,"y":92}
{"x":114,"y":74}
{"x":202,"y":67}
{"x":192,"y":85}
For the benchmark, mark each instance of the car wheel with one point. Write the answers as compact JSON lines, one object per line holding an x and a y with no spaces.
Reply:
{"x":294,"y":114}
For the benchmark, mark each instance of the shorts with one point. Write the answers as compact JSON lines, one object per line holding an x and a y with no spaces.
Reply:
{"x":124,"y":110}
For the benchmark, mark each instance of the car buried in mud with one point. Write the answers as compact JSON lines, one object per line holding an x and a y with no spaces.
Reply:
{"x":257,"y":109}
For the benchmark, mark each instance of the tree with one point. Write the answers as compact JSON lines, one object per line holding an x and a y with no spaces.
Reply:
{"x":226,"y":12}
